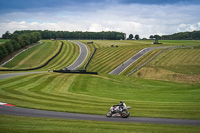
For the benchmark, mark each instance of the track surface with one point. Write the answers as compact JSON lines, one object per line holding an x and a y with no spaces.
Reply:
{"x":133,"y":59}
{"x":3,"y":76}
{"x":81,"y":58}
{"x":17,"y":111}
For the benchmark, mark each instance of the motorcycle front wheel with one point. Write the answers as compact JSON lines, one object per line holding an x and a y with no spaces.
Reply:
{"x":109,"y":114}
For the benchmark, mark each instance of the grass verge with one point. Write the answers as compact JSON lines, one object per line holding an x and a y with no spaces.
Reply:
{"x":94,"y":94}
{"x":33,"y":57}
{"x":28,"y":124}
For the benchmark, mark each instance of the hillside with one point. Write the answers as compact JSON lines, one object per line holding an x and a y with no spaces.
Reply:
{"x":107,"y":58}
{"x":94,"y":94}
{"x":38,"y":55}
{"x":180,"y":65}
{"x":83,"y":93}
{"x":34,"y":56}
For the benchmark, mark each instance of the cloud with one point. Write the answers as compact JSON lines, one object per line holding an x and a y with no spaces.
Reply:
{"x":198,"y":24}
{"x":142,"y":19}
{"x":188,"y":27}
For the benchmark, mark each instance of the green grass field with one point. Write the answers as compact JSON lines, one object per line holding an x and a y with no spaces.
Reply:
{"x":155,"y":92}
{"x":67,"y":56}
{"x":186,"y":60}
{"x":108,"y":58}
{"x":38,"y":55}
{"x":140,"y":43}
{"x":94,"y":94}
{"x":176,"y":64}
{"x":45,"y":125}
{"x":3,"y":40}
{"x":33,"y":57}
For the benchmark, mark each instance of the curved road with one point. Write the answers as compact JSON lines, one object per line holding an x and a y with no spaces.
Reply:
{"x":133,"y":59}
{"x":17,"y":111}
{"x":81,"y":58}
{"x":3,"y":76}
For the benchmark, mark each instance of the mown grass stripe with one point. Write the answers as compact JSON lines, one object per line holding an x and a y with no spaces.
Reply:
{"x":66,"y":57}
{"x":34,"y":56}
{"x":100,"y":58}
{"x":44,"y":96}
{"x":108,"y":63}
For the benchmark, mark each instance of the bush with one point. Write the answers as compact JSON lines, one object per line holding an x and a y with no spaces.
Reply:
{"x":3,"y":50}
{"x":1,"y":55}
{"x":18,"y":41}
{"x":9,"y":47}
{"x":15,"y":44}
{"x":139,"y":74}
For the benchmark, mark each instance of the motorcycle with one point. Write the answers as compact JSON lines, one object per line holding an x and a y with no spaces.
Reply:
{"x":118,"y":111}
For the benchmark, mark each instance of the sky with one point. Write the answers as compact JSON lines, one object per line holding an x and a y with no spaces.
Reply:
{"x":142,"y":17}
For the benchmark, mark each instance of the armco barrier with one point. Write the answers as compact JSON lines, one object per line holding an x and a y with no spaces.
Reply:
{"x":36,"y":67}
{"x":90,"y":59}
{"x":75,"y":71}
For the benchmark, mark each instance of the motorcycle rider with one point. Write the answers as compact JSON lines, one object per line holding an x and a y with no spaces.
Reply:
{"x":120,"y":106}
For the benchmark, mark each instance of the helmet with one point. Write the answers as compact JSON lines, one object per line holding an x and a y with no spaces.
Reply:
{"x":121,"y":102}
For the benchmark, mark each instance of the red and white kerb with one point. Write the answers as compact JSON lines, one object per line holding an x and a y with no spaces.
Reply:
{"x":6,"y":104}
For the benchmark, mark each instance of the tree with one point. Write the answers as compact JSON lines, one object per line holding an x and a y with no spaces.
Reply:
{"x":33,"y":38}
{"x":7,"y":35}
{"x":137,"y":37}
{"x":157,"y":37}
{"x":15,"y":36}
{"x":3,"y":50}
{"x":151,"y":37}
{"x":1,"y":54}
{"x":15,"y":44}
{"x":130,"y":36}
{"x":18,"y":40}
{"x":9,"y":47}
{"x":38,"y":36}
{"x":26,"y":38}
{"x":119,"y":37}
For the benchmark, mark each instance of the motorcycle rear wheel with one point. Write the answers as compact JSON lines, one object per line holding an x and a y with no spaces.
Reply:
{"x":109,"y":114}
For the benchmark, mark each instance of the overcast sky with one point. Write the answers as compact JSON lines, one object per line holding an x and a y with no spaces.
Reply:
{"x":143,"y":17}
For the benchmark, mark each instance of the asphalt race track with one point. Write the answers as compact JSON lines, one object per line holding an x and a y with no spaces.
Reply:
{"x":17,"y":111}
{"x":3,"y":76}
{"x":133,"y":59}
{"x":81,"y":58}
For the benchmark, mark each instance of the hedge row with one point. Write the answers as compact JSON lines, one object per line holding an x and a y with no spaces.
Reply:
{"x":46,"y":63}
{"x":17,"y":42}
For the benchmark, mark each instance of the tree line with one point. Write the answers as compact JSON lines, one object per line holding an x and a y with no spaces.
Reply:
{"x":17,"y":41}
{"x":46,"y":34}
{"x":130,"y":37}
{"x":194,"y":35}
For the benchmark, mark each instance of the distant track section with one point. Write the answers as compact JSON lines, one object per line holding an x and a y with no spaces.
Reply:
{"x":82,"y":57}
{"x":148,"y":61}
{"x":133,"y":59}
